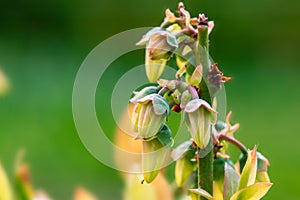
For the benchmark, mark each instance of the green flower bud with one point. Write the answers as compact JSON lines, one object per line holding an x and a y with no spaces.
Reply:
{"x":160,"y":45}
{"x":148,"y":115}
{"x":199,"y":116}
{"x":184,"y":167}
{"x":155,"y":152}
{"x":154,"y":68}
{"x":150,"y":162}
{"x":220,"y":126}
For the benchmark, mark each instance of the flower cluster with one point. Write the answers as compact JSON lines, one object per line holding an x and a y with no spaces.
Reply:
{"x":204,"y":168}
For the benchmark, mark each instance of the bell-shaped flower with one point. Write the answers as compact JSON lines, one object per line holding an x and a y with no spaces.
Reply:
{"x":142,"y":93}
{"x":149,"y":114}
{"x":160,"y":45}
{"x":199,"y":116}
{"x":184,"y":155}
{"x":155,"y":153}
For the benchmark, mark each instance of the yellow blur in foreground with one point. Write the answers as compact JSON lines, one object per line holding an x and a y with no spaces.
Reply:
{"x":4,"y":84}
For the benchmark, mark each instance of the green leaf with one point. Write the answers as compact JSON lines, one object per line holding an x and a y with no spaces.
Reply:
{"x":171,"y":39}
{"x":262,"y":177}
{"x":164,"y":135}
{"x":196,"y":76}
{"x":202,"y":193}
{"x":180,"y":61}
{"x":160,"y":105}
{"x":181,"y":150}
{"x":262,"y":163}
{"x":219,"y":168}
{"x":252,"y":192}
{"x":231,"y":182}
{"x":248,"y":175}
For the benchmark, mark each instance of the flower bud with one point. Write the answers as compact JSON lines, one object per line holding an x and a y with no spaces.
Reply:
{"x":160,"y":45}
{"x":199,"y":117}
{"x":155,"y":152}
{"x":148,"y":115}
{"x":142,"y":93}
{"x":184,"y":167}
{"x":170,"y":17}
{"x":154,"y":68}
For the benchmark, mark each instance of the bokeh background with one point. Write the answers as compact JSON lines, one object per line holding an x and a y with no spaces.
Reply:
{"x":42,"y":44}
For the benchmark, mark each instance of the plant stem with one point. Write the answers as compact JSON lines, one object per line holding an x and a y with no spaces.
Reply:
{"x":205,"y":164}
{"x":205,"y":172}
{"x":202,"y":49}
{"x":233,"y":141}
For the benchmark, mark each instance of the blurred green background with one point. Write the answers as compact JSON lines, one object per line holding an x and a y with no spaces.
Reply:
{"x":42,"y":44}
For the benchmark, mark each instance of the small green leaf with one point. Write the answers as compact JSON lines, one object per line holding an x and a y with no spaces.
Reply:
{"x":164,"y":135}
{"x":231,"y":182}
{"x":262,"y":163}
{"x":248,"y":175}
{"x":196,"y":76}
{"x":202,"y":193}
{"x":219,"y":168}
{"x":180,"y":61}
{"x":160,"y":105}
{"x":252,"y":192}
{"x":181,"y":150}
{"x":262,"y":177}
{"x":171,"y":39}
